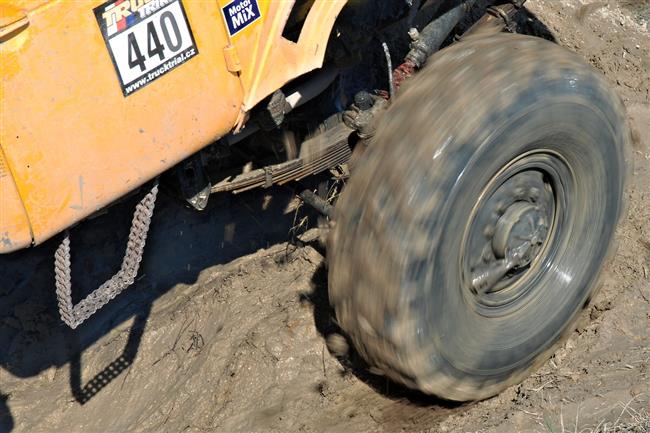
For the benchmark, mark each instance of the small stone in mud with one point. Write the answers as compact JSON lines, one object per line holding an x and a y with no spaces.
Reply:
{"x":337,"y":345}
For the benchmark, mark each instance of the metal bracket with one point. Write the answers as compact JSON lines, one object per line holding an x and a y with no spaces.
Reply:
{"x":194,"y":183}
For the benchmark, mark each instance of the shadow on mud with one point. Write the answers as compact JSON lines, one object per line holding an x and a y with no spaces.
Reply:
{"x":6,"y":421}
{"x":528,"y":24}
{"x":84,"y":393}
{"x":181,"y":244}
{"x":325,"y":322}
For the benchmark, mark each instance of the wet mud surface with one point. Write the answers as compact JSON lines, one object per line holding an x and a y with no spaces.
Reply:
{"x":227,"y":328}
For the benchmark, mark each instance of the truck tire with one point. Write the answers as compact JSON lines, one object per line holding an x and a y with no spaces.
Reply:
{"x":473,"y":230}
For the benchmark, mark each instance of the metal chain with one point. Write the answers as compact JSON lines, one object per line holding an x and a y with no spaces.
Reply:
{"x":74,"y":315}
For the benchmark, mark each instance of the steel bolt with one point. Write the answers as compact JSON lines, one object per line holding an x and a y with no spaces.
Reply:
{"x":363,"y":100}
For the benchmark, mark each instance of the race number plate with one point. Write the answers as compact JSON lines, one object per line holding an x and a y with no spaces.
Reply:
{"x":145,"y":38}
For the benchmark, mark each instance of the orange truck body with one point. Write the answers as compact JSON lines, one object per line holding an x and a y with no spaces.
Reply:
{"x":74,"y":136}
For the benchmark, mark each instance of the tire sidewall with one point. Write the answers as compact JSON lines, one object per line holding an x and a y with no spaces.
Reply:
{"x":550,"y":116}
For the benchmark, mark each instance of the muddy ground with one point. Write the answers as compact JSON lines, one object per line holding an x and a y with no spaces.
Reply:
{"x":226,"y":328}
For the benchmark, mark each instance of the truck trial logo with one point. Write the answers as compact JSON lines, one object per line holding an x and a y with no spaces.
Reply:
{"x":240,"y":14}
{"x":145,"y":39}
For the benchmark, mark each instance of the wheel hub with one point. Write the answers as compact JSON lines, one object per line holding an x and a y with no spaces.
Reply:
{"x":509,"y":229}
{"x":521,"y":228}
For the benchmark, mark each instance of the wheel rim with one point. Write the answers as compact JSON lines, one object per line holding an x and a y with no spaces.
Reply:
{"x":513,"y":233}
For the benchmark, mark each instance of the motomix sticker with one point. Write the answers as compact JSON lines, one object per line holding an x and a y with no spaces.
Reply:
{"x":239,"y":14}
{"x":145,"y":38}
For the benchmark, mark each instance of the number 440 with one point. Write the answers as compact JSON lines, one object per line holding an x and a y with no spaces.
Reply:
{"x":154,"y":47}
